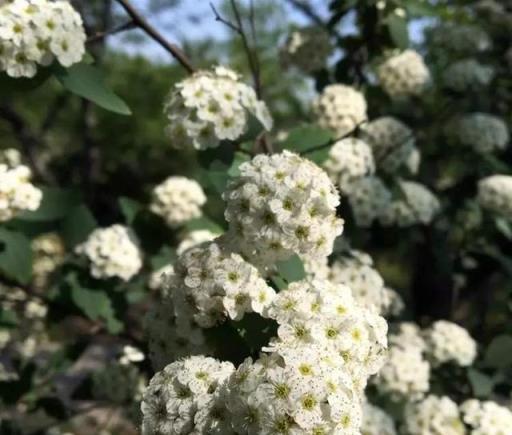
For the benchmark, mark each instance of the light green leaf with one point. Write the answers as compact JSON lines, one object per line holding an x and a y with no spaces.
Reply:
{"x":203,"y":223}
{"x":398,"y":30}
{"x":499,"y":352}
{"x":56,"y":203}
{"x":77,"y":225}
{"x":481,"y":384}
{"x":87,"y":81}
{"x":130,"y":208}
{"x":165,"y":256}
{"x":306,"y":137}
{"x":15,"y":256}
{"x":239,"y":158}
{"x":291,"y":269}
{"x":504,"y":226}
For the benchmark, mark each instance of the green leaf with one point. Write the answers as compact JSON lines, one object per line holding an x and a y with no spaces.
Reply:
{"x":504,"y":226}
{"x":397,"y":27}
{"x":8,"y":317}
{"x":94,"y":303}
{"x":165,"y":256}
{"x":306,"y":137}
{"x":10,"y":85}
{"x":499,"y":352}
{"x":56,"y":203}
{"x":77,"y":225}
{"x":481,"y":383}
{"x":239,"y":158}
{"x":130,"y":208}
{"x":318,"y":156}
{"x":15,"y":256}
{"x":87,"y":81}
{"x":291,"y":269}
{"x":217,"y":176}
{"x":203,"y":223}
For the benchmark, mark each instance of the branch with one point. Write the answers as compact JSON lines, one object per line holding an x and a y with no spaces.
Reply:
{"x":308,"y":11}
{"x":141,"y":22}
{"x":99,"y":36}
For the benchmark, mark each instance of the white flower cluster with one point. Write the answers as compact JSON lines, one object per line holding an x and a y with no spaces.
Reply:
{"x":495,"y":194}
{"x":348,"y":160}
{"x":280,"y":205}
{"x":448,"y":342}
{"x":112,"y":252}
{"x":17,"y":194}
{"x":460,"y":38}
{"x":408,"y":334}
{"x":403,"y":74}
{"x":36,"y":32}
{"x":340,"y":108}
{"x":376,"y":421}
{"x":177,"y":200}
{"x":415,"y":205}
{"x":159,"y":277}
{"x":483,"y":132}
{"x":433,"y":416}
{"x":486,"y":417}
{"x":392,"y":143}
{"x":195,"y":238}
{"x":356,"y":271}
{"x":211,"y":106}
{"x":307,"y":49}
{"x":369,"y":197}
{"x":467,"y":74}
{"x":48,"y":254}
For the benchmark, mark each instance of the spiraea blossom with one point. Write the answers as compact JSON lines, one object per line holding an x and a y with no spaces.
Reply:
{"x":211,"y":284}
{"x":459,"y":38}
{"x":48,"y":254}
{"x":415,"y":205}
{"x":486,"y":417}
{"x":495,"y":194}
{"x":482,"y":132}
{"x":194,"y":238}
{"x":433,"y":416}
{"x":368,"y":198}
{"x":408,"y":334}
{"x":376,"y":421}
{"x":403,"y":74}
{"x":392,"y":143}
{"x":306,"y":49}
{"x":280,"y":205}
{"x":449,"y":342}
{"x":211,"y":106}
{"x":178,"y":200}
{"x":17,"y":193}
{"x":467,"y":74}
{"x":340,"y":108}
{"x":112,"y":252}
{"x":348,"y":160}
{"x":160,"y":277}
{"x":36,"y":32}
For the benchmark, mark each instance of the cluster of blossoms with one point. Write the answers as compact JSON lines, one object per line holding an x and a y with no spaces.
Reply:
{"x":356,"y":271}
{"x":36,"y":32}
{"x":486,"y":417}
{"x":460,"y":38}
{"x":348,"y":160}
{"x":211,"y":106}
{"x":178,"y":200}
{"x":403,"y":74}
{"x":467,"y":74}
{"x":368,"y":199}
{"x":48,"y":254}
{"x":495,"y":194}
{"x":17,"y":194}
{"x":480,"y":131}
{"x":392,"y":143}
{"x":280,"y":205}
{"x":340,"y":108}
{"x":195,"y":238}
{"x":306,"y":49}
{"x":415,"y":205}
{"x":376,"y":421}
{"x":433,"y":416}
{"x":112,"y":252}
{"x":448,"y":342}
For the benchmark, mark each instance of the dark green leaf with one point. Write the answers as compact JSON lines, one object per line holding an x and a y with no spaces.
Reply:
{"x":499,"y":352}
{"x":203,"y":223}
{"x":15,"y":256}
{"x":165,"y":256}
{"x":504,"y":226}
{"x":8,"y":317}
{"x":306,"y":137}
{"x":10,"y":85}
{"x":130,"y":208}
{"x":481,"y":384}
{"x":398,"y":30}
{"x":87,"y":82}
{"x":291,"y":269}
{"x":56,"y":203}
{"x":239,"y":158}
{"x":77,"y":225}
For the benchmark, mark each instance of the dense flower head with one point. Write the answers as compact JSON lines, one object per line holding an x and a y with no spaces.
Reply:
{"x":48,"y":254}
{"x":280,"y":205}
{"x":480,"y":131}
{"x":495,"y":194}
{"x":306,"y":49}
{"x":408,"y":334}
{"x":433,"y":415}
{"x":486,"y":417}
{"x":178,"y":200}
{"x":183,"y":397}
{"x":368,"y":198}
{"x":376,"y":421}
{"x":348,"y":160}
{"x":392,"y":142}
{"x":17,"y":193}
{"x":36,"y":32}
{"x":211,"y":106}
{"x":195,"y":238}
{"x":211,"y":284}
{"x":340,"y":108}
{"x":415,"y":205}
{"x":449,"y":342}
{"x":403,"y":74}
{"x":467,"y":74}
{"x":459,"y":38}
{"x":112,"y":252}
{"x":160,"y":277}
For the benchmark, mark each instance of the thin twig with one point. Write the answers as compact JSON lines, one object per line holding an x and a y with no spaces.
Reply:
{"x":99,"y":36}
{"x":308,"y":11}
{"x":141,"y":22}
